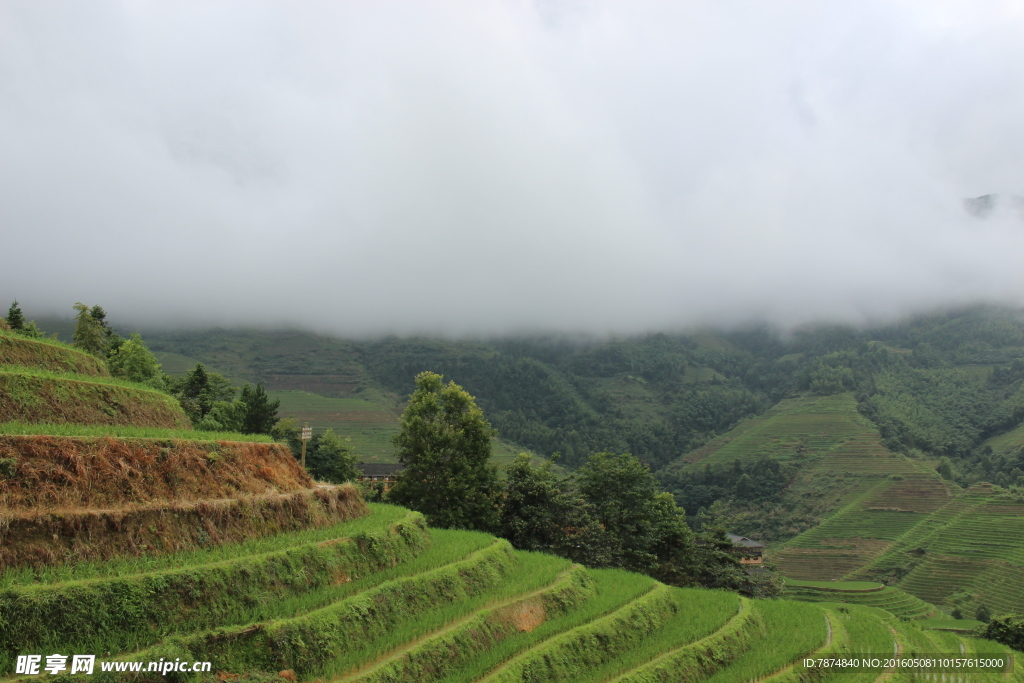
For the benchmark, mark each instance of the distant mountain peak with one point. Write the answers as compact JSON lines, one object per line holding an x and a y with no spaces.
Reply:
{"x":985,"y":205}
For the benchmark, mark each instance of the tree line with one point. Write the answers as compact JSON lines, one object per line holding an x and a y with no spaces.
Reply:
{"x":608,"y":513}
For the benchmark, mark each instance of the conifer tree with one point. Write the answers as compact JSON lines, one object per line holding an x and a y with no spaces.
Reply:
{"x":15,"y":318}
{"x":260,"y":413}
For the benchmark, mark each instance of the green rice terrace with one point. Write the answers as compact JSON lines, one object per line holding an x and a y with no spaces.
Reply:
{"x":882,"y":516}
{"x":382,"y":598}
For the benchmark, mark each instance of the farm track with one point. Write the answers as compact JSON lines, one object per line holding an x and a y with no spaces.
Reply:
{"x":897,"y":651}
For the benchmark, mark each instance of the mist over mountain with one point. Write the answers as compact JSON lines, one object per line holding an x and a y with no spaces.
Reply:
{"x":489,"y":168}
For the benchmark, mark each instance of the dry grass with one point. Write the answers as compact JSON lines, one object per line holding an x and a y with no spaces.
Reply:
{"x":46,"y":472}
{"x":47,"y":538}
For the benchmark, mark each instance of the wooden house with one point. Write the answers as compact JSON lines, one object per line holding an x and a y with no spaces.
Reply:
{"x":385,"y":473}
{"x":750,"y":552}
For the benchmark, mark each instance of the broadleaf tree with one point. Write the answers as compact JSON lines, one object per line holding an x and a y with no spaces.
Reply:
{"x":133,"y":360}
{"x":445,"y":444}
{"x":648,"y":529}
{"x":544,"y":512}
{"x":199,"y":391}
{"x":329,"y":457}
{"x":90,"y":335}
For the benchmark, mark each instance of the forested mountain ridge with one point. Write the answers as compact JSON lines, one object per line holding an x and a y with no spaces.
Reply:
{"x":941,"y":386}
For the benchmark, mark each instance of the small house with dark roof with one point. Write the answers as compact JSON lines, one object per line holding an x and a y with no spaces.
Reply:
{"x":385,"y":473}
{"x":749,"y":551}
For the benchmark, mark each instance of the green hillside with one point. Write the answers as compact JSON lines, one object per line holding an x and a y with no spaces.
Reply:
{"x":968,"y":553}
{"x":383,"y":599}
{"x":881,"y":515}
{"x":654,"y":397}
{"x":842,"y":475}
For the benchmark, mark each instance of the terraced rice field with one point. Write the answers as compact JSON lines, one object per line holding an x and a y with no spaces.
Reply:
{"x":795,"y":429}
{"x":893,"y":517}
{"x":890,"y":599}
{"x":881,"y":496}
{"x":382,"y":599}
{"x":975,"y":544}
{"x":369,"y":424}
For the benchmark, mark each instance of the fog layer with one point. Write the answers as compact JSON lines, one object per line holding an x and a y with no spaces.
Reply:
{"x":488,"y":167}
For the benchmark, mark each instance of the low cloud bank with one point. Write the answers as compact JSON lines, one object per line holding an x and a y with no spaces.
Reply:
{"x":485,"y":168}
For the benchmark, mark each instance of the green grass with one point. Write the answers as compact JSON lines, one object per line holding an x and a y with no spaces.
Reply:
{"x":76,"y":377}
{"x":368,"y":424}
{"x":951,"y":624}
{"x":448,"y":547}
{"x":889,"y":598}
{"x":700,"y":613}
{"x":175,"y":363}
{"x":41,"y":353}
{"x":443,"y":565}
{"x":124,"y":432}
{"x":591,"y":645}
{"x":129,"y":611}
{"x":1008,"y":441}
{"x":866,"y":628}
{"x":532,"y":572}
{"x":42,"y":340}
{"x":615,"y":588}
{"x":307,"y":641}
{"x":451,"y":640}
{"x":301,"y":401}
{"x":805,"y":630}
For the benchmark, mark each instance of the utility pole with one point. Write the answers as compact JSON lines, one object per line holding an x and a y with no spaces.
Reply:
{"x":307,"y":434}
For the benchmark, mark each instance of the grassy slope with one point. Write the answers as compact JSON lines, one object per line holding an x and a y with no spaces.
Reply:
{"x":891,"y":599}
{"x":1008,"y":441}
{"x":48,"y":354}
{"x":37,"y":396}
{"x":93,"y":431}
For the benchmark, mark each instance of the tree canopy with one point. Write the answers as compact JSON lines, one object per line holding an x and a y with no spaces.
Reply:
{"x":445,"y":444}
{"x":133,"y":360}
{"x":90,"y":333}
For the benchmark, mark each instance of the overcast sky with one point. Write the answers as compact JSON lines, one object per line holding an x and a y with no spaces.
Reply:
{"x":479,"y":166}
